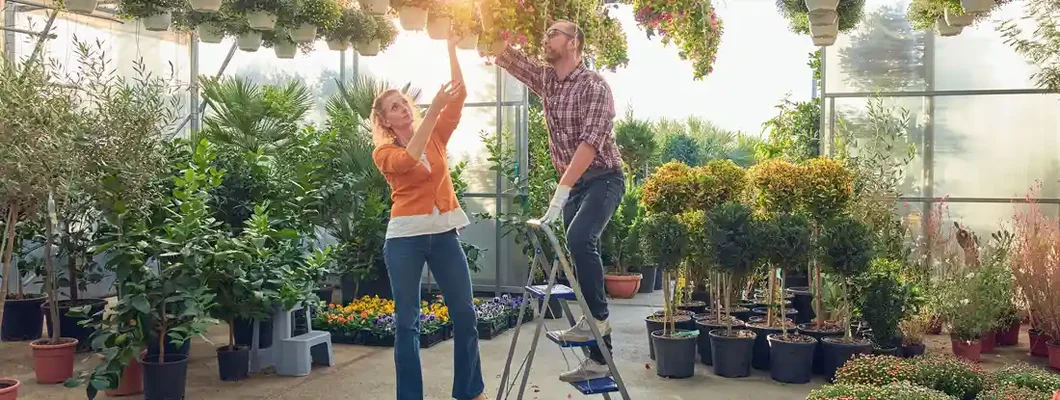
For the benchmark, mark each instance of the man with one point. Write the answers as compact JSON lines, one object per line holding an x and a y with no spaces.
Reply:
{"x":579,"y":111}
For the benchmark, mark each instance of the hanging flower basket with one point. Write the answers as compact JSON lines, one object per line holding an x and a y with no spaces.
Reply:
{"x":249,"y":41}
{"x":824,"y":40}
{"x":81,"y":6}
{"x":438,"y":28}
{"x":831,"y":30}
{"x":413,"y":18}
{"x":261,"y":20}
{"x":285,"y":50}
{"x":369,"y":48}
{"x":210,"y":33}
{"x":304,"y":34}
{"x":977,"y":6}
{"x":205,"y":5}
{"x":338,"y":44}
{"x":375,"y":7}
{"x":469,"y":42}
{"x":958,"y":20}
{"x":945,"y":29}
{"x":827,"y":17}
{"x":821,"y":5}
{"x":158,"y":22}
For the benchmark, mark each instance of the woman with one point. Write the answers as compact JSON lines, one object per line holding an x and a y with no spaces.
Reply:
{"x":411,"y":154}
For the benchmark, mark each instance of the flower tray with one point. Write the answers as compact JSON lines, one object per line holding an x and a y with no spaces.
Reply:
{"x":428,"y":340}
{"x":371,"y":339}
{"x":513,"y":321}
{"x":490,"y":329}
{"x":347,"y":338}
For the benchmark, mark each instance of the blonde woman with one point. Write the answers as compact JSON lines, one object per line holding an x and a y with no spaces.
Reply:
{"x":411,"y":153}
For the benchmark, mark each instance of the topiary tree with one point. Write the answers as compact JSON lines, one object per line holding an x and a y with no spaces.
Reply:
{"x":697,"y":258}
{"x":669,"y":189}
{"x":827,"y":190}
{"x":777,"y":185}
{"x":719,"y":182}
{"x":664,"y":241}
{"x":784,"y":243}
{"x":731,"y":234}
{"x":845,"y":250}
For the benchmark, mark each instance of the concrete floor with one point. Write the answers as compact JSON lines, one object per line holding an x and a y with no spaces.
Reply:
{"x":368,"y":372}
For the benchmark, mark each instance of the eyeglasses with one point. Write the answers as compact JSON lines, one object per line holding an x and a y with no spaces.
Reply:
{"x":553,"y":32}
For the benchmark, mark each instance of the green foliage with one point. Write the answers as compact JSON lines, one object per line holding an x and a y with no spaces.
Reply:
{"x":323,"y":14}
{"x":885,"y":302}
{"x":828,"y":188}
{"x":692,"y":25}
{"x":699,"y":255}
{"x":1040,"y":45}
{"x":794,"y":134}
{"x":923,"y":13}
{"x":946,"y":374}
{"x":669,"y":189}
{"x":620,"y":240}
{"x":893,"y":391}
{"x":680,"y":148}
{"x":778,"y":185}
{"x":951,"y":375}
{"x":845,"y":247}
{"x":636,"y":142}
{"x":663,"y":240}
{"x":730,"y":228}
{"x":876,"y":370}
{"x":975,"y":298}
{"x":1027,"y":376}
{"x":1012,"y":392}
{"x":129,"y":9}
{"x":717,"y":183}
{"x":784,"y":241}
{"x":850,"y":14}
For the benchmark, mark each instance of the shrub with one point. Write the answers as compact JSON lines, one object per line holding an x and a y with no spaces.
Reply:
{"x":663,"y":240}
{"x":777,"y":185}
{"x":1013,"y":393}
{"x":669,"y":189}
{"x":719,"y":182}
{"x":730,"y":231}
{"x":876,"y":370}
{"x":695,"y":223}
{"x":828,"y":188}
{"x":1025,"y":376}
{"x":893,"y":391}
{"x":784,"y":241}
{"x":885,"y":302}
{"x":951,"y":375}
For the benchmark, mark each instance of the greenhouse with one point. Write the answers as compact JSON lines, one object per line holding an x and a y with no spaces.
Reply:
{"x":471,"y":199}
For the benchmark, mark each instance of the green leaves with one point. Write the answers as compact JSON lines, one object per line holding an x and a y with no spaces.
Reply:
{"x":845,"y":246}
{"x":730,"y":229}
{"x":663,"y":240}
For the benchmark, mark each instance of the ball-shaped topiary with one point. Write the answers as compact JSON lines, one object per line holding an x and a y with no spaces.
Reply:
{"x":845,"y":247}
{"x":669,"y":189}
{"x":719,"y":182}
{"x":731,"y":234}
{"x":778,"y":185}
{"x":663,"y":240}
{"x":828,"y":188}
{"x":784,"y":241}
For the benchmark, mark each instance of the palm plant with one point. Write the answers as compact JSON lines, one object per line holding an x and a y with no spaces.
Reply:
{"x":253,"y":117}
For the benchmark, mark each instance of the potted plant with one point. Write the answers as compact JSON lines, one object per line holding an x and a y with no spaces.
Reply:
{"x":845,"y":250}
{"x":381,"y":35}
{"x":339,"y":35}
{"x":693,"y":296}
{"x":913,"y":329}
{"x":730,"y":230}
{"x":949,"y":17}
{"x":261,"y":15}
{"x":313,"y":16}
{"x":619,"y":281}
{"x":375,"y":7}
{"x":692,"y":25}
{"x":884,"y":304}
{"x":412,"y":13}
{"x":248,"y":40}
{"x":280,"y":42}
{"x":205,"y":5}
{"x":973,"y":299}
{"x":53,"y":358}
{"x":439,"y":20}
{"x":663,"y":241}
{"x":9,"y":389}
{"x":211,"y":27}
{"x":1008,"y":331}
{"x":156,"y":15}
{"x":1037,"y":271}
{"x":80,"y":6}
{"x":466,"y":24}
{"x":822,"y":22}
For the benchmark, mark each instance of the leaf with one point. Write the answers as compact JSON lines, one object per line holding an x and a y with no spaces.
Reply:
{"x":141,"y":304}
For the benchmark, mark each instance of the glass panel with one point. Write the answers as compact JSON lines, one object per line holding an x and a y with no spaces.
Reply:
{"x":467,"y":145}
{"x":513,"y":89}
{"x":986,"y":218}
{"x":857,"y":117}
{"x":883,"y":53}
{"x":978,"y":58}
{"x":996,"y":146}
{"x":482,"y":233}
{"x":424,"y":62}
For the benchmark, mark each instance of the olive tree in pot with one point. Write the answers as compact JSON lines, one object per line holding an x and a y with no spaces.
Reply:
{"x":785,"y":241}
{"x":731,"y":234}
{"x":664,"y":242}
{"x":845,"y":250}
{"x":885,"y":302}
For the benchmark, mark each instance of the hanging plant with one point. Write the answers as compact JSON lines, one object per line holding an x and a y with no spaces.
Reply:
{"x":466,"y":24}
{"x":692,"y":25}
{"x":310,"y":17}
{"x":262,"y":15}
{"x":340,"y":35}
{"x":927,"y":14}
{"x":385,"y":32}
{"x":156,"y":15}
{"x":849,"y":14}
{"x":412,"y":13}
{"x":210,"y":26}
{"x":282,"y":44}
{"x":439,"y":20}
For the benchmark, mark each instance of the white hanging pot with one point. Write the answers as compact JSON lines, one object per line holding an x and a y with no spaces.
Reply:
{"x":438,"y":28}
{"x":261,"y":20}
{"x":304,"y":34}
{"x":824,"y":30}
{"x":977,"y":6}
{"x":945,"y":29}
{"x":368,"y":48}
{"x":821,"y":5}
{"x":285,"y":50}
{"x":249,"y":41}
{"x":824,"y":40}
{"x":205,"y":5}
{"x":375,"y":7}
{"x":81,"y":6}
{"x":338,"y":44}
{"x":413,"y":18}
{"x":468,"y":42}
{"x":961,"y":20}
{"x":158,"y":22}
{"x":823,"y":17}
{"x":208,"y":33}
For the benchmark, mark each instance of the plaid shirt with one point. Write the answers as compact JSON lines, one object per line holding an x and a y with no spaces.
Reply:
{"x":578,"y":108}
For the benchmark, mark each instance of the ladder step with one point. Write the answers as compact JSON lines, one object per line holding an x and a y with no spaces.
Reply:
{"x":562,"y":292}
{"x":596,"y":386}
{"x":554,"y":337}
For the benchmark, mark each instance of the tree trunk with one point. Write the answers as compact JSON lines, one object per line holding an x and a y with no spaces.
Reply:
{"x":49,"y":268}
{"x":71,"y":272}
{"x":162,"y":334}
{"x":231,"y":334}
{"x":12,"y":219}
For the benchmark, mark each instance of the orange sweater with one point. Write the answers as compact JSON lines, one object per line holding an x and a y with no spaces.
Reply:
{"x":414,"y":189}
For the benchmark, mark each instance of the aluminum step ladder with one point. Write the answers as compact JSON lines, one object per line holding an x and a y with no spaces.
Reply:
{"x":542,"y":294}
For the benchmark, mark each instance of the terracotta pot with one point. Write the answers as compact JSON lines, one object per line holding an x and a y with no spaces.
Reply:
{"x":131,"y":381}
{"x":1054,"y":354}
{"x":1009,"y":336}
{"x":1038,"y":343}
{"x":9,"y":389}
{"x":968,"y":350}
{"x":53,"y":363}
{"x":988,"y":342}
{"x":622,"y":286}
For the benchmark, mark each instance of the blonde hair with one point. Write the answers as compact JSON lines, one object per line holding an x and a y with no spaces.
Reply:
{"x":382,"y":135}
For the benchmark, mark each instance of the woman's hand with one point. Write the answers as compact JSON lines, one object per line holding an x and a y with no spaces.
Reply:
{"x":446,"y":94}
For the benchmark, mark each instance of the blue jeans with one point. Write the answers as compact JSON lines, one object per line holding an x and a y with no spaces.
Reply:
{"x":444,"y":255}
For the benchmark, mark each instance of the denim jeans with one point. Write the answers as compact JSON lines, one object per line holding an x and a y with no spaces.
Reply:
{"x":404,"y":260}
{"x":587,"y":212}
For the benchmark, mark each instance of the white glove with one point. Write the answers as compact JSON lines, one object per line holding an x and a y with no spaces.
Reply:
{"x":555,"y":208}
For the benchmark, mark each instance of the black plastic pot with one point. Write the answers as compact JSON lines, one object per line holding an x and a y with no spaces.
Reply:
{"x":913,"y":350}
{"x":790,"y":313}
{"x":703,"y":341}
{"x":554,"y":309}
{"x":659,"y":279}
{"x":732,"y":354}
{"x":762,"y":303}
{"x":379,"y":286}
{"x":695,"y":306}
{"x":741,"y":313}
{"x":818,"y":354}
{"x":647,"y":280}
{"x":892,"y":351}
{"x":803,"y":301}
{"x":244,"y":332}
{"x":326,"y":292}
{"x":233,"y":365}
{"x":675,"y":357}
{"x":653,"y":325}
{"x":837,"y":352}
{"x":760,"y":358}
{"x":791,"y":361}
{"x":23,"y":320}
{"x":796,"y":280}
{"x":70,"y":326}
{"x":165,"y":380}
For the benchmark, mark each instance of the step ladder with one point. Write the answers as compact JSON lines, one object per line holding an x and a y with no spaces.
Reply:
{"x":542,"y":294}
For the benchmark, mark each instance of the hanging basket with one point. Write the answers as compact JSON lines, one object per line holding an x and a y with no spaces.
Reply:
{"x":821,"y":5}
{"x":413,"y":18}
{"x":81,"y":6}
{"x":249,"y":41}
{"x":209,"y":33}
{"x":438,"y":28}
{"x":338,"y":44}
{"x":375,"y":7}
{"x":368,"y":49}
{"x":959,"y":20}
{"x":205,"y":5}
{"x":304,"y":34}
{"x":285,"y":50}
{"x":158,"y":22}
{"x":824,"y":18}
{"x":261,"y":20}
{"x":977,"y":6}
{"x":945,"y":29}
{"x":817,"y":31}
{"x":824,"y":40}
{"x":822,"y":12}
{"x":469,"y":42}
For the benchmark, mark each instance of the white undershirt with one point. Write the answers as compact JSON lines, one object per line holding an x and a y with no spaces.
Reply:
{"x":427,"y":224}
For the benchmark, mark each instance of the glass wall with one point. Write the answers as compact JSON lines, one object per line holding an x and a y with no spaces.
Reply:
{"x":984,"y":133}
